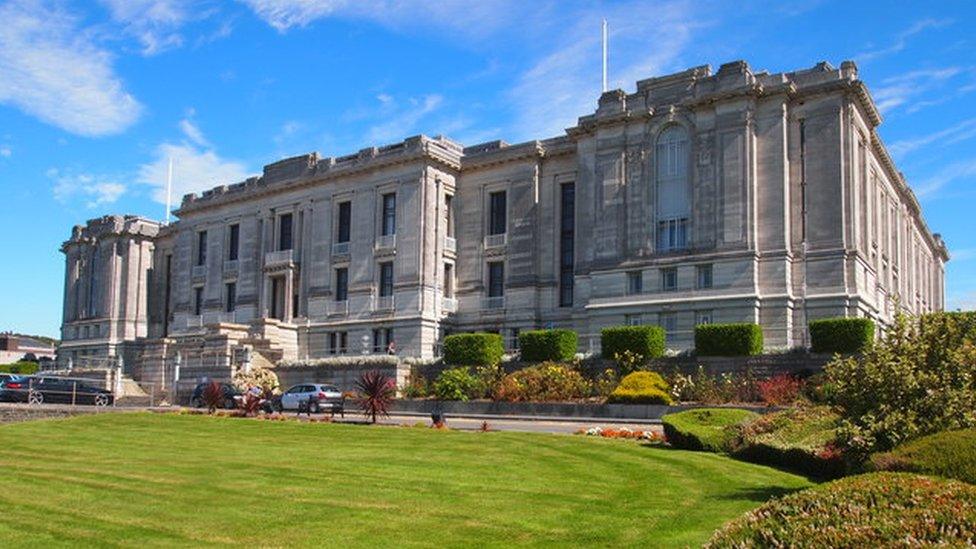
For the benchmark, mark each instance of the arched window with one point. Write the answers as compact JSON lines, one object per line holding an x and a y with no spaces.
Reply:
{"x":673,"y":189}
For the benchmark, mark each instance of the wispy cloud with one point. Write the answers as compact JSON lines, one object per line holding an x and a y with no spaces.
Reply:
{"x":400,"y":119}
{"x":902,"y":39}
{"x":52,"y":70}
{"x":897,"y":91}
{"x":954,"y":134}
{"x":952,"y":173}
{"x":196,"y":167}
{"x":191,"y":131}
{"x":154,"y":23}
{"x":6,"y":151}
{"x":93,"y":190}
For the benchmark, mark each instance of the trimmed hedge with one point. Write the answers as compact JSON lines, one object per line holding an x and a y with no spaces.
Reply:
{"x":841,"y":335}
{"x":950,"y":454}
{"x":728,"y":339}
{"x":646,"y":341}
{"x":641,"y":388}
{"x":874,"y":510}
{"x":478,"y":349}
{"x":704,"y":429}
{"x":543,"y":345}
{"x":22,"y":367}
{"x":800,"y":439}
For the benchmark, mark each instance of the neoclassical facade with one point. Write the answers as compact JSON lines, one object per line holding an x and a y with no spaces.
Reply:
{"x":701,"y":197}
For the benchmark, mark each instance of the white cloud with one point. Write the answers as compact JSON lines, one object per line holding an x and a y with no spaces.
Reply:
{"x":94,"y":190}
{"x":196,"y":167}
{"x":154,"y":23}
{"x":52,"y":70}
{"x":5,"y":151}
{"x":958,"y":132}
{"x":951,"y":173}
{"x":401,"y":120}
{"x":902,"y":39}
{"x":566,"y":83}
{"x":898,"y":90}
{"x":192,"y":132}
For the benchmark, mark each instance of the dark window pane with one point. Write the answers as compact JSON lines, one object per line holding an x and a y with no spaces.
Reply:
{"x":345,"y":222}
{"x":284,"y":232}
{"x":386,"y":279}
{"x":342,"y":284}
{"x":389,"y":214}
{"x":496,"y":279}
{"x":497,"y":214}
{"x":235,"y":242}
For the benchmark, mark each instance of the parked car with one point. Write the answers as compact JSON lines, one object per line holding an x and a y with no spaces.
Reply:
{"x":318,"y":397}
{"x":5,"y":377}
{"x":228,"y":390}
{"x":38,"y":390}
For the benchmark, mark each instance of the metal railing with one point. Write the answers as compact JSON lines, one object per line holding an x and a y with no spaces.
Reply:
{"x":337,"y":308}
{"x":280,"y":257}
{"x":496,"y":240}
{"x":493,"y":303}
{"x":386,"y":241}
{"x":340,"y":248}
{"x":383,"y":303}
{"x":199,"y":271}
{"x":230,"y":266}
{"x":450,"y":244}
{"x":194,"y":321}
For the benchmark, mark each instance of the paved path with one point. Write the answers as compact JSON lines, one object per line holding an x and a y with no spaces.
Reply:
{"x":500,"y":423}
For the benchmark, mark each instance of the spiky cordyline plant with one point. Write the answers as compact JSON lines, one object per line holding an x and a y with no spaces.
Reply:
{"x":376,"y":391}
{"x":213,"y":396}
{"x":250,"y":404}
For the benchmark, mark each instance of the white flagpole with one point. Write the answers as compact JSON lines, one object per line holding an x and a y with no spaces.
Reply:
{"x":604,"y":55}
{"x":169,"y":188}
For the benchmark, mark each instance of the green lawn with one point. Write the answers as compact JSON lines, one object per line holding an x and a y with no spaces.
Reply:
{"x":143,"y":479}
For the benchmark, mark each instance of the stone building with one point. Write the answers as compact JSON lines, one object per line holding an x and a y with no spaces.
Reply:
{"x":734,"y":196}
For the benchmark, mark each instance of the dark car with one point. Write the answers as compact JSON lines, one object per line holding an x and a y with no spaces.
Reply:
{"x":38,"y":390}
{"x":228,"y":391}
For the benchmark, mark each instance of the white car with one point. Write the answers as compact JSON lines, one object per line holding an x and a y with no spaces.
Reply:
{"x":318,"y":397}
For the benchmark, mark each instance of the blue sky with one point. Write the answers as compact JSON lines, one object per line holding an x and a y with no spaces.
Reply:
{"x":95,"y":96}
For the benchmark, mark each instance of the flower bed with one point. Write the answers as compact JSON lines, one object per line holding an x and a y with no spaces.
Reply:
{"x":622,"y":432}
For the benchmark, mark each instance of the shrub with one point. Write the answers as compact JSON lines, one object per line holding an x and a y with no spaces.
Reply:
{"x":416,"y":385}
{"x":543,"y":345}
{"x":262,"y":378}
{"x":779,"y":390}
{"x":874,"y":510}
{"x":456,"y":384}
{"x":802,"y":439}
{"x":704,"y":429}
{"x":376,"y":391}
{"x":628,"y":362}
{"x":950,"y":454}
{"x":479,"y":349}
{"x":646,"y":341}
{"x":544,"y":382}
{"x":641,"y":388}
{"x":728,"y":339}
{"x":841,"y":335}
{"x":488,"y":381}
{"x":727,"y":388}
{"x":605,"y":382}
{"x":22,"y":367}
{"x":919,"y":379}
{"x":213,"y":396}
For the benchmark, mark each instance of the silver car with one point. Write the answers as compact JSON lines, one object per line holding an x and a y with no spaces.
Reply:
{"x":316,"y":396}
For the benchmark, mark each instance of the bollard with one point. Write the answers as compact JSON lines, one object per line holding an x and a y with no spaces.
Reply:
{"x":74,"y":392}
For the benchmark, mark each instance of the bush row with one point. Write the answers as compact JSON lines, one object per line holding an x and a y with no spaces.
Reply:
{"x":22,"y":367}
{"x":841,"y":335}
{"x":543,"y":345}
{"x":950,"y":454}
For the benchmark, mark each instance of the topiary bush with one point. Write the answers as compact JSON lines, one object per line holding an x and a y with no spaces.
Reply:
{"x":544,"y":382}
{"x":641,"y":388}
{"x":478,"y":349}
{"x":841,"y":335}
{"x":917,"y":380}
{"x":874,"y":510}
{"x":801,"y":439}
{"x":456,"y":384}
{"x":646,"y":341}
{"x":704,"y":429}
{"x":543,"y":345}
{"x":728,"y":339}
{"x":950,"y":454}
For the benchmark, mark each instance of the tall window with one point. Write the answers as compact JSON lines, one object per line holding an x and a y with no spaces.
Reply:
{"x":567,"y":238}
{"x":389,"y":214}
{"x":202,"y":248}
{"x":669,"y":279}
{"x":448,"y":280}
{"x":198,"y":300}
{"x":386,"y":279}
{"x":673,"y":189}
{"x":285,"y":232}
{"x":341,"y":284}
{"x":449,"y":213}
{"x":338,"y":342}
{"x":704,"y":276}
{"x":635,"y":282}
{"x":344,"y":227}
{"x":382,"y":337}
{"x":234,"y":242}
{"x":668,"y":321}
{"x":497,"y":215}
{"x":230,"y":303}
{"x":496,"y":279}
